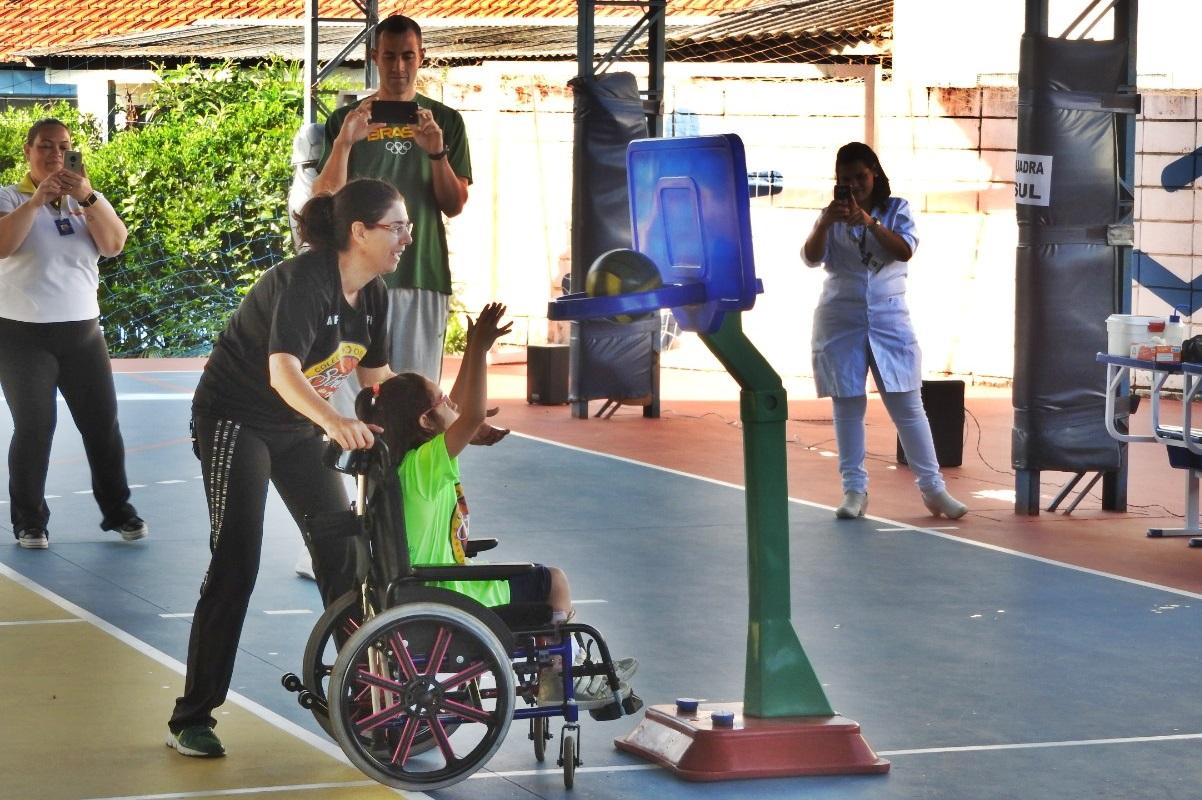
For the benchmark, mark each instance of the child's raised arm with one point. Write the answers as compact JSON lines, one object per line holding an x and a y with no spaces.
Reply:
{"x":470,"y":392}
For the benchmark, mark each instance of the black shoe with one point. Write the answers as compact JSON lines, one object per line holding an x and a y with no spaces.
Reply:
{"x":34,"y":539}
{"x":133,"y":529}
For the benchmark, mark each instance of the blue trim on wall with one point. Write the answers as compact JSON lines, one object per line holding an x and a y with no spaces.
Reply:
{"x":32,"y":83}
{"x":1150,"y":273}
{"x":1156,"y":278}
{"x":1181,"y":173}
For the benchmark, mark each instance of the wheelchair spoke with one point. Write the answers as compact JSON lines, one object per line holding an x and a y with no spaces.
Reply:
{"x":444,"y":742}
{"x":469,"y":712}
{"x":366,"y":678}
{"x":401,"y":651}
{"x":466,"y":676}
{"x":401,"y":754}
{"x":442,"y":642}
{"x":372,"y":721}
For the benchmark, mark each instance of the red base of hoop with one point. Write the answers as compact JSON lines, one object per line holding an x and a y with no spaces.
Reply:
{"x":689,"y":744}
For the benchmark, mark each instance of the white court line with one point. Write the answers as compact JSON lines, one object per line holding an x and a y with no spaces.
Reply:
{"x":883,"y":520}
{"x":587,"y":602}
{"x":178,"y":615}
{"x":917,"y":530}
{"x":279,"y":611}
{"x":520,"y":773}
{"x":1176,"y":737}
{"x":172,"y":480}
{"x":524,"y":773}
{"x":38,"y":622}
{"x":299,"y":787}
{"x":262,"y":712}
{"x":925,"y":751}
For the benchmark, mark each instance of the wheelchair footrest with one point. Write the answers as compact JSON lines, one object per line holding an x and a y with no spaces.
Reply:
{"x":629,"y":705}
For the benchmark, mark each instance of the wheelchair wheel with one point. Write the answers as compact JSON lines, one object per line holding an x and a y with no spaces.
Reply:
{"x":568,"y":758}
{"x":336,"y":624}
{"x":538,"y":732}
{"x":421,"y":667}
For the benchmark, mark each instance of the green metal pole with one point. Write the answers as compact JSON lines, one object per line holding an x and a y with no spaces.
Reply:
{"x":779,"y":681}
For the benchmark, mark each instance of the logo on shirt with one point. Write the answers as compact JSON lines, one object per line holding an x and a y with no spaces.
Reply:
{"x":328,"y":374}
{"x":332,"y":319}
{"x":398,"y":139}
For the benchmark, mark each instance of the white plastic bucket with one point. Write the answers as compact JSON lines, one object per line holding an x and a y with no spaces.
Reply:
{"x":1124,"y":330}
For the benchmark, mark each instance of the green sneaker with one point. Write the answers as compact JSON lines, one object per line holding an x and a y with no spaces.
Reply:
{"x":196,"y":740}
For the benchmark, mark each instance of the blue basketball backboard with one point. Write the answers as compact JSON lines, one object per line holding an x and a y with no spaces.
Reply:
{"x":690,"y":214}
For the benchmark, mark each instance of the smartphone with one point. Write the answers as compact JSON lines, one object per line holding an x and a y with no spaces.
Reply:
{"x":396,"y":112}
{"x":843,"y":192}
{"x":74,"y":161}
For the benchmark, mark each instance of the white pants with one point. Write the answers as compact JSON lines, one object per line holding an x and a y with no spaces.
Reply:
{"x":913,"y":428}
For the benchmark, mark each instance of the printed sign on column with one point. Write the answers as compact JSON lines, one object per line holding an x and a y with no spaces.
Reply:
{"x":1032,"y":179}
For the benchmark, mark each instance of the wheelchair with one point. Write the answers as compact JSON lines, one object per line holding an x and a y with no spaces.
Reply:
{"x":419,"y":685}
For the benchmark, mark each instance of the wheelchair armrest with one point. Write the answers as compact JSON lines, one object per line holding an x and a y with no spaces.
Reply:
{"x":471,"y":572}
{"x":473,"y":546}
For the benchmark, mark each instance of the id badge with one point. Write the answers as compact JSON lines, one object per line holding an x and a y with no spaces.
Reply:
{"x":64,"y":226}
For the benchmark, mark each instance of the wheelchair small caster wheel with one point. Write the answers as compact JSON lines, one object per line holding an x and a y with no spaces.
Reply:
{"x":292,"y":682}
{"x":540,"y":734}
{"x":307,"y":700}
{"x":568,"y":758}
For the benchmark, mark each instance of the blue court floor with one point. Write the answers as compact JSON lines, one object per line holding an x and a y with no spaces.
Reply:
{"x":978,"y":672}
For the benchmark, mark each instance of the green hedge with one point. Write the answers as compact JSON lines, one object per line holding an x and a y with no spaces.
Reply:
{"x":202,"y":187}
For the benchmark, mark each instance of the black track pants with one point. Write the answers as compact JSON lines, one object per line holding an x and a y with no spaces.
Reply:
{"x":36,"y":361}
{"x":237,"y":462}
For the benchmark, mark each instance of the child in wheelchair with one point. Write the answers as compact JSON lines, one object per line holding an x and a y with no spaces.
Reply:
{"x":426,"y":430}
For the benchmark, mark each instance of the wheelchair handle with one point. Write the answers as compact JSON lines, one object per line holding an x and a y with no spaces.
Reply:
{"x":354,"y":462}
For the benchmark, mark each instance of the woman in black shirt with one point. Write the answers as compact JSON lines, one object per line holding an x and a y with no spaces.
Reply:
{"x":260,"y":411}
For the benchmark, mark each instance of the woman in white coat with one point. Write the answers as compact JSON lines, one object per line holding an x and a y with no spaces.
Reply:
{"x":863,"y":239}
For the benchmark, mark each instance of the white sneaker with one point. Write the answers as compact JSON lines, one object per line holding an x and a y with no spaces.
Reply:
{"x":625,"y":668}
{"x":134,"y":529}
{"x":304,"y":565}
{"x":589,"y":692}
{"x":854,"y":505}
{"x":34,"y":539}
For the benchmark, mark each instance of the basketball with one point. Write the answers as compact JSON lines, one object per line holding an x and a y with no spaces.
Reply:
{"x":618,"y":272}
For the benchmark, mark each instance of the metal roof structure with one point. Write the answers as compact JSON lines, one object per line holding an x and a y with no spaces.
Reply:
{"x":830,"y":31}
{"x":449,"y":41}
{"x":37,"y":24}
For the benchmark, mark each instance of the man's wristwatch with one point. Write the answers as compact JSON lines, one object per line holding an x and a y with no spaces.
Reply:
{"x":439,"y":156}
{"x":90,"y":200}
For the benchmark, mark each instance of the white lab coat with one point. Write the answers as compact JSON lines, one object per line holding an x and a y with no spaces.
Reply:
{"x":863,"y":305}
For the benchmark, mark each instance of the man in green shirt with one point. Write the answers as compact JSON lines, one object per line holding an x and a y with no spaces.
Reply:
{"x":429,"y":163}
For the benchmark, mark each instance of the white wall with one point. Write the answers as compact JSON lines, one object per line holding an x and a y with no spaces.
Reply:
{"x":950,"y":151}
{"x":976,"y":42}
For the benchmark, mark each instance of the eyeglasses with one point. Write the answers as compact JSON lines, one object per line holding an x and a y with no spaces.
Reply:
{"x":398,"y":229}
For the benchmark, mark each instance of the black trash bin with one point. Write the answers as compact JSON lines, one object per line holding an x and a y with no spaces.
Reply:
{"x":944,"y":404}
